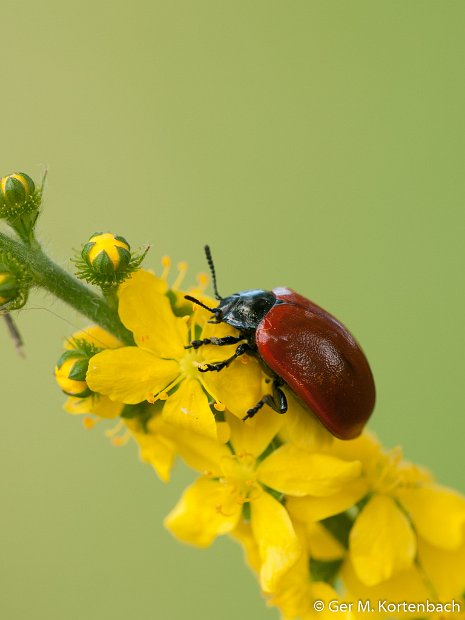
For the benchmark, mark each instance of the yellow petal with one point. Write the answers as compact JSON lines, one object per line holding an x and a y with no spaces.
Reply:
{"x":297,"y":472}
{"x":199,"y":517}
{"x":97,"y":336}
{"x":295,"y":594}
{"x":302,"y":428}
{"x":148,"y":314}
{"x":317,"y":508}
{"x":243,"y":533}
{"x":321,"y":544}
{"x":277,"y":541}
{"x":223,"y":431}
{"x":155,"y":447}
{"x":201,"y":453}
{"x":144,"y":278}
{"x":404,"y":586}
{"x":130,"y":375}
{"x":101,"y":406}
{"x":366,"y":447}
{"x":438,"y":514}
{"x":381,"y":541}
{"x":188,"y":409}
{"x":292,"y":594}
{"x":445,"y":569}
{"x":254,"y":435}
{"x":239,"y":386}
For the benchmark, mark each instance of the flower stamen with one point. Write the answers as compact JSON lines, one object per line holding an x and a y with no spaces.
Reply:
{"x":182,"y":270}
{"x":166,"y":264}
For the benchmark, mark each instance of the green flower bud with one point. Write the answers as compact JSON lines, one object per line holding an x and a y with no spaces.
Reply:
{"x":70,"y":373}
{"x":107,"y":254}
{"x":15,"y":282}
{"x":106,"y":260}
{"x":18,"y":195}
{"x":16,"y":188}
{"x":8,"y":285}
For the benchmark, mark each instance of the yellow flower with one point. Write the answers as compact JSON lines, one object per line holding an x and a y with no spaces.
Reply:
{"x":160,"y":362}
{"x":96,"y":404}
{"x":234,"y":475}
{"x":406,"y":521}
{"x":405,"y":507}
{"x":156,"y":445}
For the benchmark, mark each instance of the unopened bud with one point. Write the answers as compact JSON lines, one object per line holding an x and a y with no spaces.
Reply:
{"x":106,"y":254}
{"x":70,"y":373}
{"x":16,"y":189}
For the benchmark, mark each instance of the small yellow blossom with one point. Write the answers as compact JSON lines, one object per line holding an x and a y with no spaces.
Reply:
{"x":234,"y":476}
{"x":161,"y":367}
{"x":409,"y":531}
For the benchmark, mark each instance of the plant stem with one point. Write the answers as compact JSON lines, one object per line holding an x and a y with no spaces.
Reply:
{"x":57,"y":281}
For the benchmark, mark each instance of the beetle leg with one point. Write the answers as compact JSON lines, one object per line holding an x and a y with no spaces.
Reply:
{"x":241,"y":349}
{"x":277,"y":401}
{"x":220,"y":342}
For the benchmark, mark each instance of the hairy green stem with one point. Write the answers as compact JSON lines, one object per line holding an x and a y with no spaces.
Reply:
{"x":57,"y":281}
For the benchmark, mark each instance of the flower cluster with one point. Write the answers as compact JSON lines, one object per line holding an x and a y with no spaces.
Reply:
{"x":318,"y":518}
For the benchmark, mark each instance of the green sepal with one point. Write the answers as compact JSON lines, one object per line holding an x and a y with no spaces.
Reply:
{"x":143,"y":413}
{"x":339,"y":526}
{"x":79,"y":370}
{"x":278,"y":496}
{"x":102,"y":264}
{"x":123,"y":240}
{"x":124,"y":257}
{"x":15,"y":192}
{"x":246,"y":512}
{"x":325,"y":570}
{"x":83,"y":347}
{"x":82,"y":351}
{"x":66,"y":355}
{"x":31,"y":186}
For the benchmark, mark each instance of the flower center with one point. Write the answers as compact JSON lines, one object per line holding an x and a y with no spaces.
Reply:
{"x":189,"y":364}
{"x":240,"y":473}
{"x":385,"y":475}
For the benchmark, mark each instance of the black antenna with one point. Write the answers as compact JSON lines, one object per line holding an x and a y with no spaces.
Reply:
{"x":208,"y":254}
{"x":199,"y":303}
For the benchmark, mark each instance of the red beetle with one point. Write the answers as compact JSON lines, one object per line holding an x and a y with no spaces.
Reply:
{"x":302,"y":346}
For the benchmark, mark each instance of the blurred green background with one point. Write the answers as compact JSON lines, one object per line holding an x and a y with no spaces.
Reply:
{"x":315,"y":144}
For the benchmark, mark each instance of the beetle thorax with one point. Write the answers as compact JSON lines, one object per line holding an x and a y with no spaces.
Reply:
{"x":246,"y":310}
